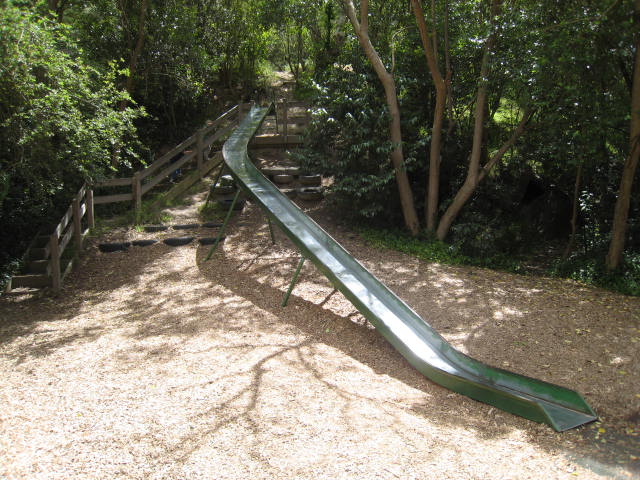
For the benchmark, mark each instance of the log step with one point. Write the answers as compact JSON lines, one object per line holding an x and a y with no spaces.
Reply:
{"x":40,"y":253}
{"x":30,"y":281}
{"x":38,"y":266}
{"x":272,"y":141}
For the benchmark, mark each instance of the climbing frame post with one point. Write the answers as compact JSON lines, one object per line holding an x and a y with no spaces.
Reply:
{"x":224,"y":226}
{"x":285,"y":300}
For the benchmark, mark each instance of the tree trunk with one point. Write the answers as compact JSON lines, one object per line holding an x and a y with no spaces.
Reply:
{"x":574,"y":213}
{"x":475,"y":176}
{"x":397,"y":157}
{"x":471,"y":182}
{"x":135,"y":53}
{"x":56,"y":9}
{"x":133,"y":63}
{"x":621,"y":212}
{"x":430,"y":51}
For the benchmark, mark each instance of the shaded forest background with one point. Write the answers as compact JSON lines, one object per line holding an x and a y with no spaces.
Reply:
{"x":491,"y":132}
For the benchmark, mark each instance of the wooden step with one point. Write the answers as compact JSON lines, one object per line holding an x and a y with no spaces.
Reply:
{"x":271,"y":140}
{"x":30,"y":281}
{"x":41,"y":241}
{"x":38,"y":266}
{"x":39,"y":253}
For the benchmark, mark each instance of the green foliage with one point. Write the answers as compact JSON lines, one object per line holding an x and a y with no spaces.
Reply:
{"x":349,"y":135}
{"x":430,"y":249}
{"x":59,"y":122}
{"x":348,"y":140}
{"x":427,"y":248}
{"x":573,"y":63}
{"x":590,"y":269}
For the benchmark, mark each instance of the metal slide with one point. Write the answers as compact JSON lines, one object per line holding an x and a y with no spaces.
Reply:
{"x":420,"y":344}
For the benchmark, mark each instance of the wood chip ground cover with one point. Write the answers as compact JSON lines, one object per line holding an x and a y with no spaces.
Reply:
{"x":155,"y":365}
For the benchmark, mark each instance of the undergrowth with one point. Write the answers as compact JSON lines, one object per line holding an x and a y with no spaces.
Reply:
{"x":590,"y":269}
{"x":585,"y":269}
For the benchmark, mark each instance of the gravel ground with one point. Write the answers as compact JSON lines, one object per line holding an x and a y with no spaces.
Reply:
{"x":155,"y":365}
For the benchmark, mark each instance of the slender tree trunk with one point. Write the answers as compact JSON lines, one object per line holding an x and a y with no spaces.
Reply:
{"x":475,"y":174}
{"x":361,"y":29}
{"x":133,"y":63}
{"x":473,"y":170}
{"x":574,"y":213}
{"x":621,"y":212}
{"x":56,"y":9}
{"x":430,"y":51}
{"x":448,"y":70}
{"x":135,"y":53}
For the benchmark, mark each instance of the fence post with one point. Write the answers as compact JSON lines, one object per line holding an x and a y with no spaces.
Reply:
{"x":285,"y":120}
{"x":240,"y":111}
{"x":54,"y":252}
{"x":200,"y":149}
{"x":77,"y":225}
{"x":91,"y":220}
{"x":136,"y":190}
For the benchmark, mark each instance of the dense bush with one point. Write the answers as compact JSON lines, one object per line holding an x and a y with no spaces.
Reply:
{"x":59,"y":124}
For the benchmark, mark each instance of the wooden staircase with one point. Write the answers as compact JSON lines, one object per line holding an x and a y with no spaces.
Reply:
{"x":44,"y":262}
{"x":37,"y":272}
{"x":284,"y":128}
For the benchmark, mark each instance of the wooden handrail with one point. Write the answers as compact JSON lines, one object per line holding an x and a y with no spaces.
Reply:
{"x":69,"y":228}
{"x":196,"y":146}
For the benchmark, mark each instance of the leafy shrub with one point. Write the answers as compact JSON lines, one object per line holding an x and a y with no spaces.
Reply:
{"x":589,"y":268}
{"x":60,"y":124}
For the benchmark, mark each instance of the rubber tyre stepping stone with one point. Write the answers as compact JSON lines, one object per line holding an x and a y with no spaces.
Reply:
{"x":209,"y":240}
{"x":311,"y":180}
{"x":227,"y":204}
{"x":310,"y":193}
{"x":227,"y":181}
{"x":223,"y":190}
{"x":178,"y":241}
{"x":155,"y":228}
{"x":114,"y":247}
{"x":187,"y":226}
{"x":282,"y":179}
{"x":143,"y":243}
{"x":289,"y":192}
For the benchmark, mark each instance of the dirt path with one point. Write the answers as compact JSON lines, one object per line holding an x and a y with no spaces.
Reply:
{"x":155,"y":365}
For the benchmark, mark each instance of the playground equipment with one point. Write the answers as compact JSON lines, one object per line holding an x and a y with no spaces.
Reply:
{"x":420,"y":344}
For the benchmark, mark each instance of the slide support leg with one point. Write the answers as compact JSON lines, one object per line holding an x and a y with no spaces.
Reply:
{"x":293,"y":282}
{"x":215,"y":182}
{"x":273,"y":236}
{"x":224,"y":226}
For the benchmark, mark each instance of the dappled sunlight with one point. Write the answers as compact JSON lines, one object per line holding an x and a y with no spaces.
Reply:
{"x":187,"y":367}
{"x":504,"y":313}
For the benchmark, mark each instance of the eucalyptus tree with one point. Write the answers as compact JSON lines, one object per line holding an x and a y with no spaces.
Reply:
{"x":621,"y":213}
{"x":360,"y":25}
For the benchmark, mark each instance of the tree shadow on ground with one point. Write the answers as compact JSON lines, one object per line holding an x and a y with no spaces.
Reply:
{"x":475,"y":311}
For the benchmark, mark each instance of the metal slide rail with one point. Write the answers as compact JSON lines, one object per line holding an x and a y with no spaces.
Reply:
{"x":420,"y":344}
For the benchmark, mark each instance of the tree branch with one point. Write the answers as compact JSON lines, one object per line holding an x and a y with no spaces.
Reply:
{"x":528,"y":113}
{"x":351,"y":14}
{"x":364,"y":16}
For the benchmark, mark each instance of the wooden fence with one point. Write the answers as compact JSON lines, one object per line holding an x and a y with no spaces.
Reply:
{"x":194,"y":149}
{"x":291,"y":119}
{"x":44,"y":265}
